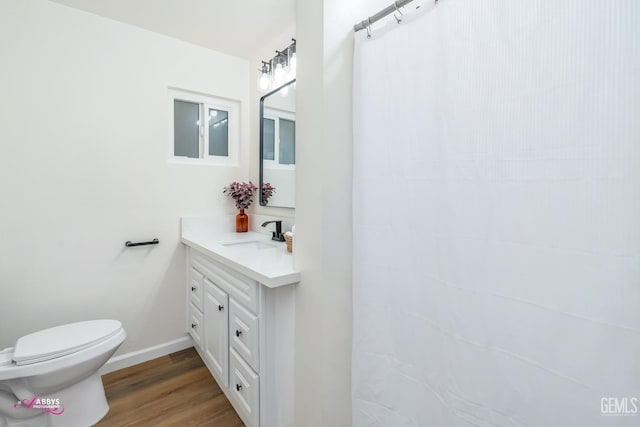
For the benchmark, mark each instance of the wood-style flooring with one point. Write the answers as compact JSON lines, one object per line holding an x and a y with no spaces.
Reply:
{"x":174,"y":390}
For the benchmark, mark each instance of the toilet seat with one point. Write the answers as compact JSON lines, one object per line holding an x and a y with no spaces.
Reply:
{"x":63,"y":340}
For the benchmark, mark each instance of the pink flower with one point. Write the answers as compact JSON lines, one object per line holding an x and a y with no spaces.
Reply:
{"x":267,"y":192}
{"x":241,"y":193}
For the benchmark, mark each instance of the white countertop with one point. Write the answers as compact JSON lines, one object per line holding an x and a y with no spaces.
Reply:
{"x":267,"y":262}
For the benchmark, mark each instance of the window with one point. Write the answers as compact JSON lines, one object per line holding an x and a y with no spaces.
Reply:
{"x":186,"y":132}
{"x":279,"y":139}
{"x":269,"y":139}
{"x":287,"y":147}
{"x":203,"y":129}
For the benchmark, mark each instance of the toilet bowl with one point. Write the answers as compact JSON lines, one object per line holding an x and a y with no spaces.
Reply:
{"x":50,"y":378}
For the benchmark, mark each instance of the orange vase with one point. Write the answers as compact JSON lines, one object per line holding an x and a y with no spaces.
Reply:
{"x":242,"y":222}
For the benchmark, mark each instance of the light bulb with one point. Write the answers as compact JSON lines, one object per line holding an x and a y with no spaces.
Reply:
{"x":263,"y":82}
{"x":291,"y":73}
{"x":293,"y":63}
{"x":278,"y":75}
{"x":213,"y":113}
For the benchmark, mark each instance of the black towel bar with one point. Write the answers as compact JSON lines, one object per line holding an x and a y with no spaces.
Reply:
{"x":130,"y":244}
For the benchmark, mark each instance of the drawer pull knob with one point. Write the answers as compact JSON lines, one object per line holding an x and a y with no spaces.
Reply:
{"x":193,"y":325}
{"x":238,"y":387}
{"x":220,"y":308}
{"x":193,"y":288}
{"x":238,"y":333}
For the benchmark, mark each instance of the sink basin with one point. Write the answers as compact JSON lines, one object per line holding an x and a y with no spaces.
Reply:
{"x":251,"y":244}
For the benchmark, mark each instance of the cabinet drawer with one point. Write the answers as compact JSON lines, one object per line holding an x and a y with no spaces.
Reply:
{"x":244,"y":390}
{"x":243,"y":334}
{"x":195,"y":325}
{"x":238,"y":286}
{"x":196,"y":288}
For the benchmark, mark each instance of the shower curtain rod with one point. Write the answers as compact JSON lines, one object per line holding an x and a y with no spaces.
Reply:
{"x":378,"y":16}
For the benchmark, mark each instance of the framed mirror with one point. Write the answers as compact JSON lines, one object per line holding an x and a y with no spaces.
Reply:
{"x":278,"y":146}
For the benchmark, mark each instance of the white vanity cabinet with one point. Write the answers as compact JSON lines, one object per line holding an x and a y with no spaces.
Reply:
{"x":243,"y":330}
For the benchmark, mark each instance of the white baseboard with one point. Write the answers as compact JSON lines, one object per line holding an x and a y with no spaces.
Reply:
{"x":146,"y":354}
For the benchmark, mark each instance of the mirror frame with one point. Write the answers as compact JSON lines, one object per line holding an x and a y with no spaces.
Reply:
{"x":276,"y":90}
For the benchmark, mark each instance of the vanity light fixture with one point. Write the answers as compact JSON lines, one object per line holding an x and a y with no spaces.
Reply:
{"x":278,"y":70}
{"x":264,"y":79}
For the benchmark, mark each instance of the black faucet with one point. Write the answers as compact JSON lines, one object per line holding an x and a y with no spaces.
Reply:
{"x":276,"y":235}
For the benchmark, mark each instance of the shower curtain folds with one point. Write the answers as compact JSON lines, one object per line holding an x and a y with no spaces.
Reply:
{"x":496,"y":232}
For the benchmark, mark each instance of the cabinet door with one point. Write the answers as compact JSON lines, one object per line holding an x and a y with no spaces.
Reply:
{"x":216,"y":330}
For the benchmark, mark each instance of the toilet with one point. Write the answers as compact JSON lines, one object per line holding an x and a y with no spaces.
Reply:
{"x":50,"y":378}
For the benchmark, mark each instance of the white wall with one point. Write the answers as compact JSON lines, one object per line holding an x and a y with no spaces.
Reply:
{"x":323,"y":229}
{"x":323,"y":207}
{"x":83,"y":169}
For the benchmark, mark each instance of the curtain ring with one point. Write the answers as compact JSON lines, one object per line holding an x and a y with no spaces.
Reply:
{"x":369,"y":28}
{"x":398,"y":20}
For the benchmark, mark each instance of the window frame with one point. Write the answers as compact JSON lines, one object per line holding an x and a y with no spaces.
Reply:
{"x":205,"y":102}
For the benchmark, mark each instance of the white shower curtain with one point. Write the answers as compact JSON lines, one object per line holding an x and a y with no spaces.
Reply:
{"x":496,"y":260}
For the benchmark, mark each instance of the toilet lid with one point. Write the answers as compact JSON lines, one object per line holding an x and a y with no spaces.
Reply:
{"x":62,"y":340}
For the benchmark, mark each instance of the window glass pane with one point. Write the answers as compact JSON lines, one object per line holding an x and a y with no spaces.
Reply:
{"x":186,"y":126}
{"x":218,"y":132}
{"x":287,"y":142}
{"x":269,"y":139}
